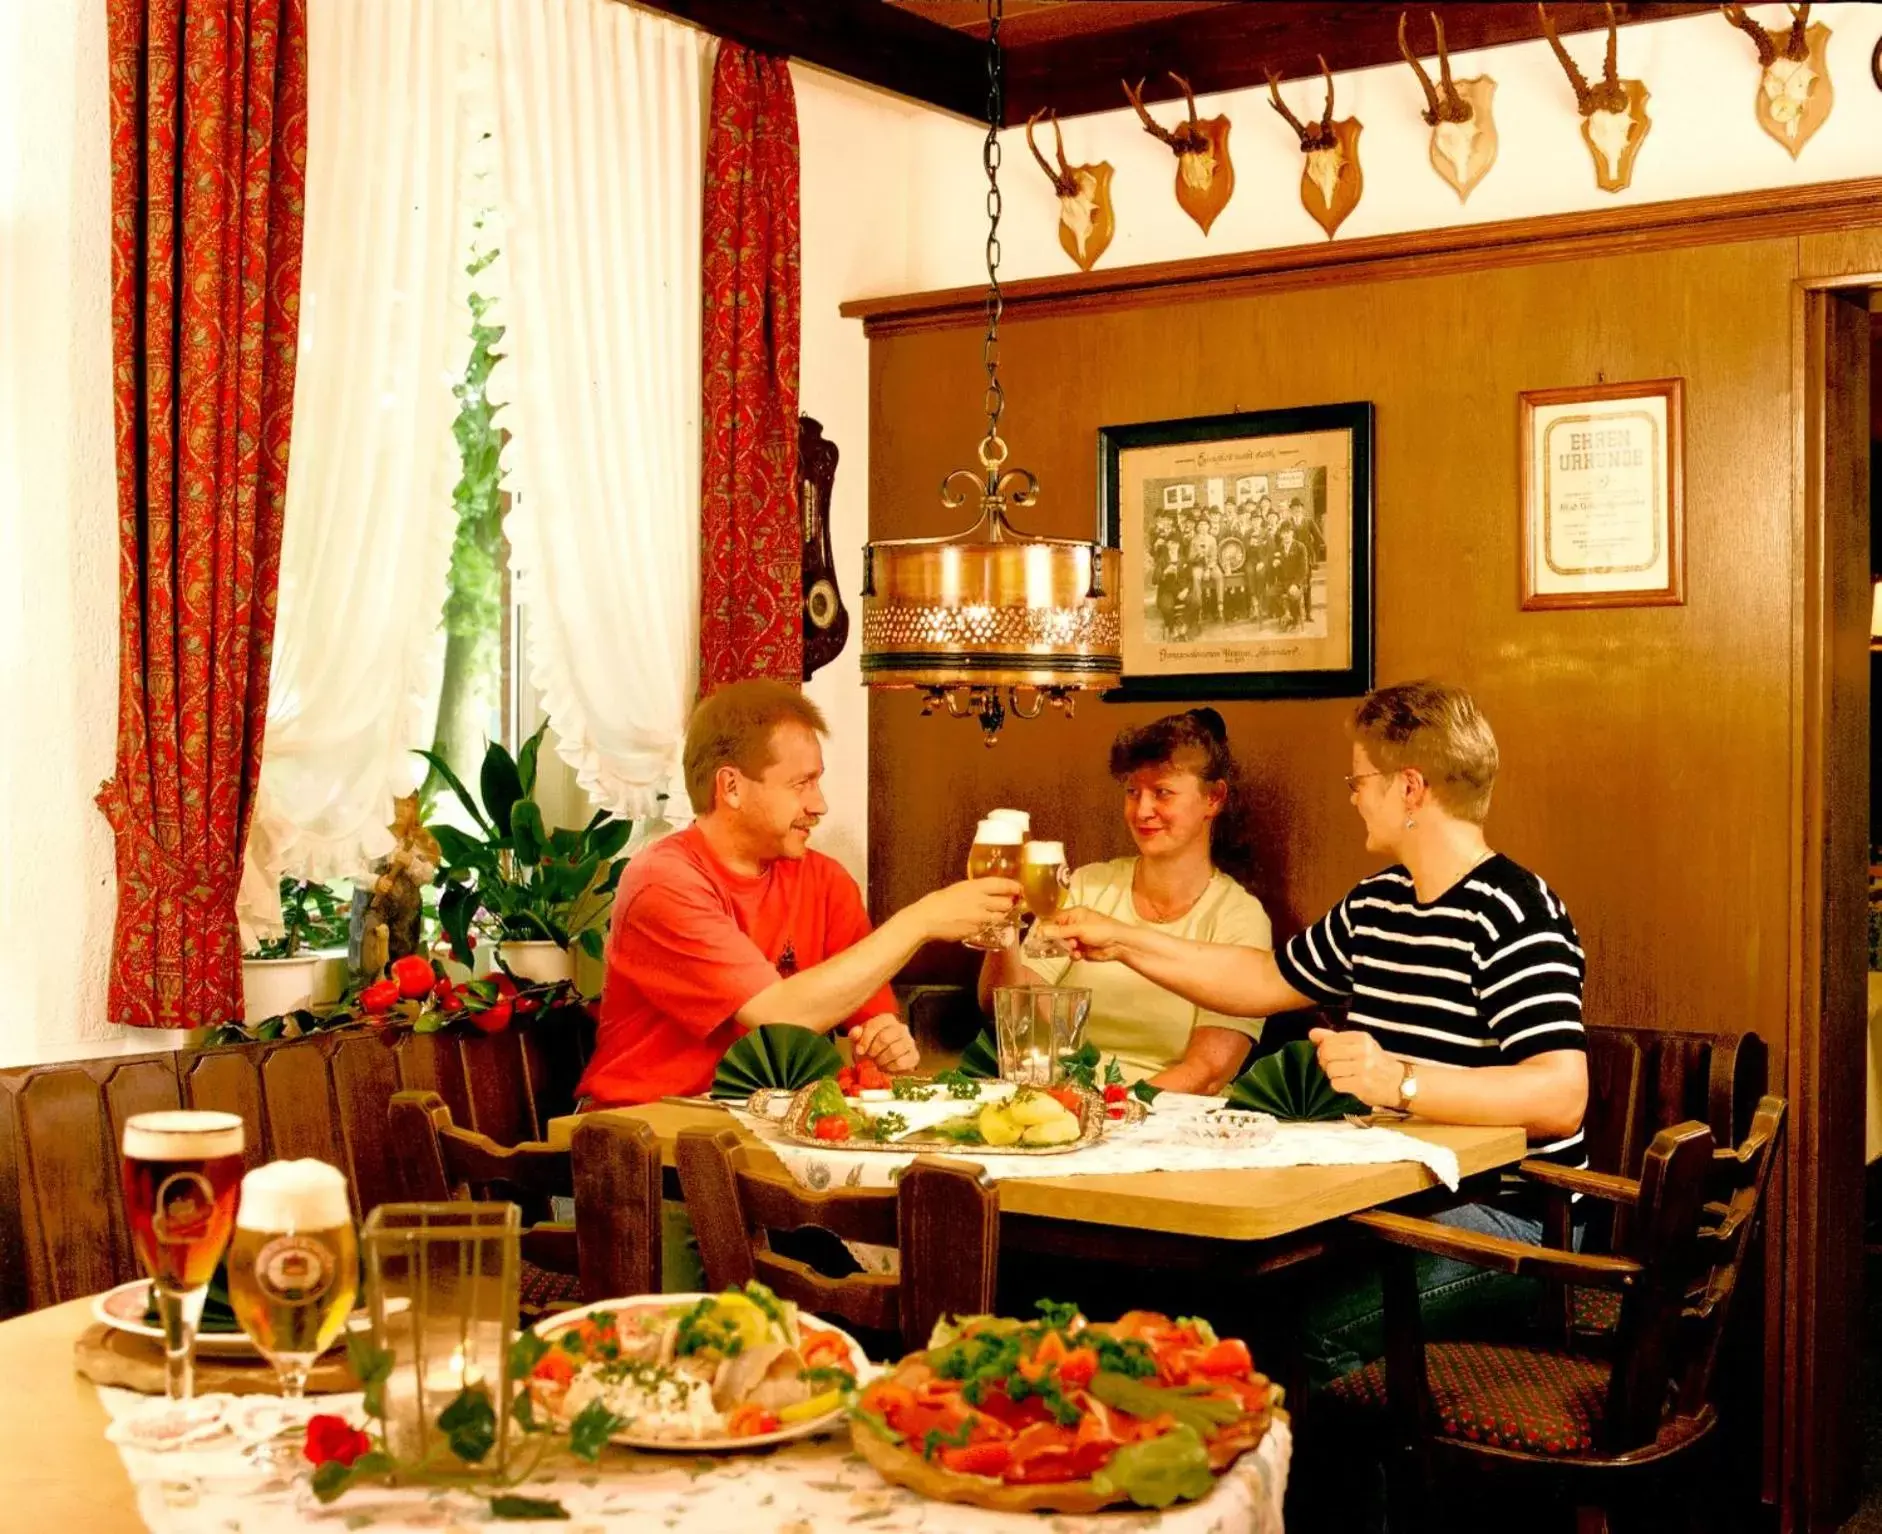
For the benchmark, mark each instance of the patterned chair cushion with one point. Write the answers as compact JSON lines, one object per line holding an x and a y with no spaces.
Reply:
{"x":1595,"y":1312}
{"x":1510,"y":1397}
{"x":540,"y":1290}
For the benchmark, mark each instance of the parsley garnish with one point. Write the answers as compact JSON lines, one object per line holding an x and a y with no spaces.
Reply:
{"x":827,"y":1378}
{"x":908,"y":1089}
{"x":934,"y":1440}
{"x":960,"y":1086}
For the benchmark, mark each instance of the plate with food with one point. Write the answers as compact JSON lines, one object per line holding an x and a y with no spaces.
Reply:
{"x":948,"y":1113}
{"x":1060,"y":1415}
{"x":699,"y":1372}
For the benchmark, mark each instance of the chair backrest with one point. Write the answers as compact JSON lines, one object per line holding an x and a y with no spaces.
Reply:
{"x":942,"y":1220}
{"x":1692,"y":1232}
{"x":610,"y":1169}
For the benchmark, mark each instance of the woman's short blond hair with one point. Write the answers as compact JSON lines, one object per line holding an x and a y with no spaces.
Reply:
{"x":1440,"y":731}
{"x":733,"y":728}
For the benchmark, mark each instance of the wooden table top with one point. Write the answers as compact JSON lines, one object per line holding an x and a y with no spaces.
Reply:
{"x":57,"y":1469}
{"x":1229,"y":1205}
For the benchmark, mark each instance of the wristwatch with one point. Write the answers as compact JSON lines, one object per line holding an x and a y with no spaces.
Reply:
{"x":1407,"y":1087}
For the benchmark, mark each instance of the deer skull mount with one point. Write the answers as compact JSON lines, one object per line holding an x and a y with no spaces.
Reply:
{"x":1086,"y":222}
{"x":1463,"y":133}
{"x":1794,"y":95}
{"x":1614,"y":121}
{"x":1205,"y":177}
{"x":1330,"y":182}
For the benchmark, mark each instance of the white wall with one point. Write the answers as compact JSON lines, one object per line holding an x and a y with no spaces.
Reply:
{"x":1701,"y":72}
{"x":58,"y":533}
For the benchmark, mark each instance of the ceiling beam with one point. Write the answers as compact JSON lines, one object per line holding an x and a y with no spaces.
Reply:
{"x":1232,"y":46}
{"x":879,"y":44}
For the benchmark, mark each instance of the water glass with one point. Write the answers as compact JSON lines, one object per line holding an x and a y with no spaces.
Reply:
{"x":1036,"y":1026}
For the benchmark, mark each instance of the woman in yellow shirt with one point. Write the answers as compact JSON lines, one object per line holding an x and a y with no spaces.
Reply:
{"x":1181,"y":807}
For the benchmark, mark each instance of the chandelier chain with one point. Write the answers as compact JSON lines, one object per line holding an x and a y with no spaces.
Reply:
{"x":995,"y":402}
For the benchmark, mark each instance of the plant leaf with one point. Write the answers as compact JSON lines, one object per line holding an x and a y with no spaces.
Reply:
{"x":502,"y":785}
{"x":608,"y":839}
{"x":456,"y":906}
{"x":526,"y":1507}
{"x":526,"y":760}
{"x":331,"y":1479}
{"x":372,"y":1367}
{"x":460,"y":850}
{"x":526,"y":832}
{"x":526,"y":1352}
{"x":589,"y":1433}
{"x":470,"y":1424}
{"x":443,"y":768}
{"x":591,"y":942}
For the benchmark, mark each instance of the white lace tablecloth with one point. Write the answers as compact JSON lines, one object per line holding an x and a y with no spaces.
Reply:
{"x":1170,"y":1138}
{"x":809,"y":1487}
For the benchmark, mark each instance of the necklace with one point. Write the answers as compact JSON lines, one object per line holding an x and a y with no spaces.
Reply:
{"x":1158,"y":914}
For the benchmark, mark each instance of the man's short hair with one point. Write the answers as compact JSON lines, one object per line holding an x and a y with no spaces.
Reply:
{"x":733,"y":728}
{"x":1440,"y":731}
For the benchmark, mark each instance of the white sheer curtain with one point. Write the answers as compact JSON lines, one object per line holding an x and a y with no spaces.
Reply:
{"x":601,"y":111}
{"x":369,"y":521}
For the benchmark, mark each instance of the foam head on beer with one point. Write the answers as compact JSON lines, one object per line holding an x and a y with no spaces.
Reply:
{"x":1020,"y":818}
{"x":999,"y":833}
{"x":293,"y":1195}
{"x":1044,"y":852}
{"x":182,"y":1135}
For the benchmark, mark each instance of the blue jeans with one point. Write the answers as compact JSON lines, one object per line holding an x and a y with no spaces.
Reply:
{"x":1343,"y":1328}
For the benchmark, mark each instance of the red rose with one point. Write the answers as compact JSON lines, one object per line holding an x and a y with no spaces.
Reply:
{"x":331,"y":1438}
{"x":414,"y":975}
{"x":379,"y":996}
{"x":494,"y":1018}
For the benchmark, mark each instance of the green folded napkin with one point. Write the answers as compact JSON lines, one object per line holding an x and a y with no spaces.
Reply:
{"x":980,"y":1059}
{"x":1291,"y":1085}
{"x":778,"y":1055}
{"x":218,"y":1316}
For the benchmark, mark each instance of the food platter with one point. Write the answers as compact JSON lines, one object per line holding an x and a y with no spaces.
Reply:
{"x":123,"y":1310}
{"x":928,"y":1108}
{"x":552,"y":1328}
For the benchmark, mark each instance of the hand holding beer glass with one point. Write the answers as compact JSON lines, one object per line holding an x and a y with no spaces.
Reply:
{"x":995,"y":854}
{"x":180,"y":1172}
{"x":1046,"y":879}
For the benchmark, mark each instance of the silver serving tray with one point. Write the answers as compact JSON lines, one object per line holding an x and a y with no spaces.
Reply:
{"x":794,"y":1126}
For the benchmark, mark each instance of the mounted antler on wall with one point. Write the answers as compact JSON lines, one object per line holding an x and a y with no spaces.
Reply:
{"x":1463,"y":133}
{"x":1614,"y":121}
{"x":1331,"y":182}
{"x":1205,"y":178}
{"x":1794,"y":94}
{"x":1086,"y":222}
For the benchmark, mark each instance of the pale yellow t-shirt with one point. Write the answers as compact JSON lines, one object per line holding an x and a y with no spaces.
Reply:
{"x":1145,"y":1026}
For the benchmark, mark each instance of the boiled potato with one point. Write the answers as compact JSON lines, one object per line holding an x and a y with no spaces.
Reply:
{"x":1035,"y":1108}
{"x":1059,"y":1131}
{"x":997,"y":1126}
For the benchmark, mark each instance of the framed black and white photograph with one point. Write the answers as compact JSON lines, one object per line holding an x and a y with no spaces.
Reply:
{"x":1246,"y":545}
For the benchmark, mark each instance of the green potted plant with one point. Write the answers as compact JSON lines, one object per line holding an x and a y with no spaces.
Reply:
{"x":538,"y":892}
{"x":279,"y":975}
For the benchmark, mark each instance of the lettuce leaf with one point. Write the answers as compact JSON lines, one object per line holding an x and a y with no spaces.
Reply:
{"x":1159,"y":1471}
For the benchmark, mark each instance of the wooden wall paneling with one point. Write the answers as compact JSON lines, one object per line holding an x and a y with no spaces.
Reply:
{"x":15,"y":1287}
{"x":137,"y":1086}
{"x":433,"y":1062}
{"x":497,"y":1084}
{"x":229,"y":1081}
{"x":70,"y":1183}
{"x":299,"y":1095}
{"x":365,"y":1074}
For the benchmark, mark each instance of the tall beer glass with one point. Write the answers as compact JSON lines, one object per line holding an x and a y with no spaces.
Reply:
{"x":181,"y":1172}
{"x":1044,"y":878}
{"x":995,"y":854}
{"x":294,"y":1265}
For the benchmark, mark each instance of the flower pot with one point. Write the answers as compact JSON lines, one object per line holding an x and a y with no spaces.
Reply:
{"x":540,"y":961}
{"x":271,"y":987}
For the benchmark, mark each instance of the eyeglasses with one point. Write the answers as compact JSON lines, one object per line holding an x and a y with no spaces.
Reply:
{"x":1354,"y":779}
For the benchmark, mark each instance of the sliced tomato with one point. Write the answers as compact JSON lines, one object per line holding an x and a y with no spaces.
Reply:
{"x":830,"y":1127}
{"x":748,"y":1421}
{"x":996,"y":1403}
{"x":1069,"y":1098}
{"x":1227,"y":1357}
{"x":989,"y":1459}
{"x":555,"y":1366}
{"x":1077,"y":1368}
{"x":1093,"y":1444}
{"x":1043,"y":1453}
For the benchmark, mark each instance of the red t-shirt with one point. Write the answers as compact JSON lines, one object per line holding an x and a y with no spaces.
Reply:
{"x":690,"y":943}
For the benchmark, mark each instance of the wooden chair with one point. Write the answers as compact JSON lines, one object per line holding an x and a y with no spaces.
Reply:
{"x":941,"y":1219}
{"x":1607,"y":1434}
{"x":611,"y":1168}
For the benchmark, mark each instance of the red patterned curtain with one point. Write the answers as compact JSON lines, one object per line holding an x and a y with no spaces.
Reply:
{"x":208,"y":171}
{"x":751,"y":536}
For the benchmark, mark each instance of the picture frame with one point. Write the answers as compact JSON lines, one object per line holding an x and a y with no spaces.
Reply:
{"x":1272,"y":597}
{"x":1602,"y":487}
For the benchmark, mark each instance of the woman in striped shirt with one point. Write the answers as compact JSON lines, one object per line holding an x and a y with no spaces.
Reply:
{"x":1460,"y":970}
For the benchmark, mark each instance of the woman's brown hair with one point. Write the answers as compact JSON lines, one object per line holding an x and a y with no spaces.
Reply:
{"x":1196,"y":741}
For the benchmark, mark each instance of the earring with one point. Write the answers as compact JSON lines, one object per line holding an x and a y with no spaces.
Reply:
{"x":1410,"y":821}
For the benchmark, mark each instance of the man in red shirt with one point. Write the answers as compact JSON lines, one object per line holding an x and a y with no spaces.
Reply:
{"x":735,"y":922}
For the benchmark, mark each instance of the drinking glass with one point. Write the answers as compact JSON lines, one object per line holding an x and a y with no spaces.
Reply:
{"x":181,"y":1170}
{"x":294,"y":1265}
{"x":1036,"y":1026}
{"x":995,"y":854}
{"x":1046,"y":878}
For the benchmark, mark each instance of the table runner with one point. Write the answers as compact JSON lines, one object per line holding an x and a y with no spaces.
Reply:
{"x":1165,"y":1141}
{"x":813,"y":1486}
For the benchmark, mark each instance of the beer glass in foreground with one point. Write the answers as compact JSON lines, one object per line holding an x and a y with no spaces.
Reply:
{"x":995,"y":854}
{"x":1045,"y":879}
{"x":294,"y":1265}
{"x":181,"y":1171}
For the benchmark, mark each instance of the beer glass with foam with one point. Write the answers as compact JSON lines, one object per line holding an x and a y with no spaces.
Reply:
{"x":294,"y":1264}
{"x":995,"y":854}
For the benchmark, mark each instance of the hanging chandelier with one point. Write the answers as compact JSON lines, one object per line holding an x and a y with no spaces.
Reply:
{"x":991,"y":621}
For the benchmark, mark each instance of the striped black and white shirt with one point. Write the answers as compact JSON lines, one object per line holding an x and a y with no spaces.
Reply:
{"x":1488,"y":973}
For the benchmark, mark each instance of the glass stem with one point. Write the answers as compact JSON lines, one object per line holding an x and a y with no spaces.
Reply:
{"x":180,"y":1310}
{"x":292,"y":1372}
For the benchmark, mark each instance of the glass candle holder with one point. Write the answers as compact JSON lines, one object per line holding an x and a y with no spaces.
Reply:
{"x":1035,"y":1027}
{"x":441,"y":1283}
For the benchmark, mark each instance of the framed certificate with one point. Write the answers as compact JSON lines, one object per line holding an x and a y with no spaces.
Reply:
{"x":1603,"y":521}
